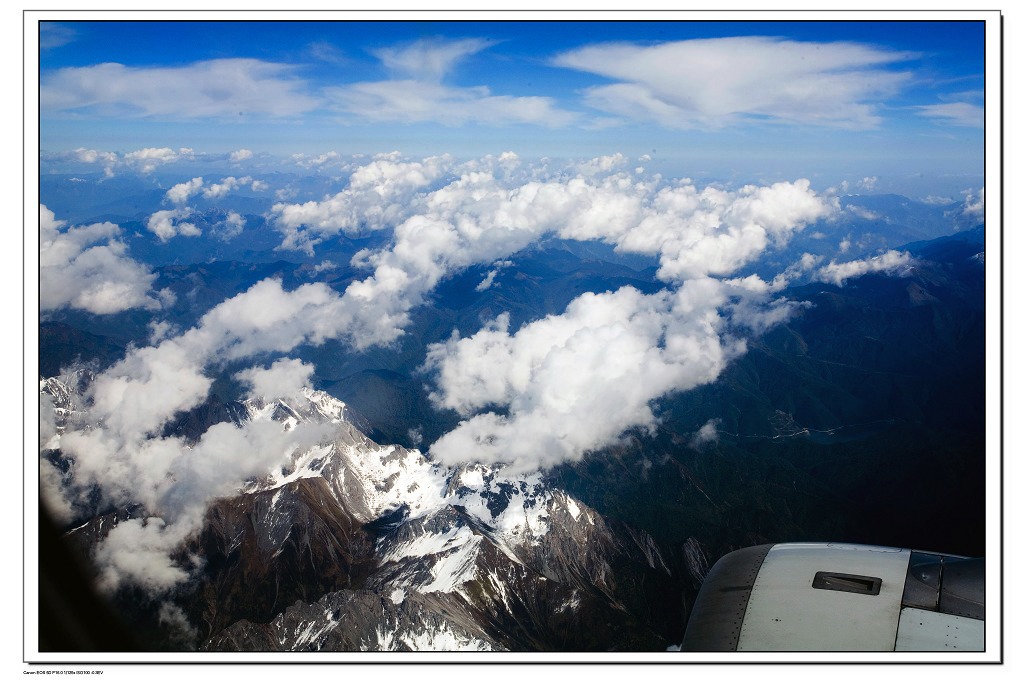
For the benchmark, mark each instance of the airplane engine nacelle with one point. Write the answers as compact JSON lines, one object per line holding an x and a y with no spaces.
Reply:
{"x":839,"y":597}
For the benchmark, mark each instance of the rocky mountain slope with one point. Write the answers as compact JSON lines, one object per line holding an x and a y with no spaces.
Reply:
{"x":355,"y":545}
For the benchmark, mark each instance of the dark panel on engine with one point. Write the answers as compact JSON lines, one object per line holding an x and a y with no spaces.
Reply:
{"x":924,"y":575}
{"x":963,"y":588}
{"x":718,"y":613}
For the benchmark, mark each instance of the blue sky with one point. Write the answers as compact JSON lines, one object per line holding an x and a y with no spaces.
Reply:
{"x":719,"y":100}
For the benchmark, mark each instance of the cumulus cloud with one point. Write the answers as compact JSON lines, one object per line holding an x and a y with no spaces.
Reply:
{"x":488,"y":281}
{"x":51,"y":485}
{"x":214,"y":88}
{"x":172,"y":222}
{"x":486,"y":214}
{"x":548,"y":392}
{"x":283,"y":379}
{"x":970,"y":212}
{"x":232,"y":226}
{"x":143,"y":161}
{"x":492,"y":210}
{"x":892,"y":262}
{"x":91,"y":156}
{"x":717,"y":82}
{"x":226,"y":185}
{"x":707,"y":434}
{"x":240,"y":155}
{"x":137,"y":551}
{"x":327,"y":158}
{"x":602,"y":164}
{"x":861,"y":212}
{"x":182,"y":192}
{"x":324,"y":266}
{"x":417,"y":93}
{"x":794,"y":271}
{"x":974,"y":203}
{"x":379,"y":195}
{"x":175,"y":482}
{"x":149,"y":159}
{"x":88,"y":268}
{"x":176,"y":621}
{"x":141,"y":392}
{"x":714,"y":232}
{"x":125,"y":454}
{"x":151,"y":384}
{"x":572,"y":383}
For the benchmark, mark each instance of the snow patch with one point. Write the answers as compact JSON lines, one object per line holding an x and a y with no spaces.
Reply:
{"x":440,"y":639}
{"x":454,"y":569}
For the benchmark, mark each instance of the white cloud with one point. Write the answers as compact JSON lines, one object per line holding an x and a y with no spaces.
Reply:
{"x":324,"y":266}
{"x":283,"y":379}
{"x":224,"y":458}
{"x":172,"y":222}
{"x":493,"y":208}
{"x":91,"y":156}
{"x":805,"y":264}
{"x":176,"y":622}
{"x":137,"y":551}
{"x":712,"y":83}
{"x":226,"y":185}
{"x":379,"y":195}
{"x":571,"y":383}
{"x":88,"y":268}
{"x":327,"y":158}
{"x":140,"y":393}
{"x":180,"y":193}
{"x":861,"y":212}
{"x":962,"y":114}
{"x":714,"y":232}
{"x":232,"y":226}
{"x":417,"y":94}
{"x":575,"y":382}
{"x":215,"y":88}
{"x":51,"y":480}
{"x":147,"y":160}
{"x":52,"y":35}
{"x":267,"y":318}
{"x":602,"y":164}
{"x":143,"y":161}
{"x":240,"y":155}
{"x":129,"y":404}
{"x":487,"y":282}
{"x":485,"y":215}
{"x":415,"y":101}
{"x":974,"y":204}
{"x":429,"y":60}
{"x":326,"y":52}
{"x":708,"y":433}
{"x":892,"y":262}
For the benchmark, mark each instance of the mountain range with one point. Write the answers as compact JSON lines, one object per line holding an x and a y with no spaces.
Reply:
{"x":861,"y":418}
